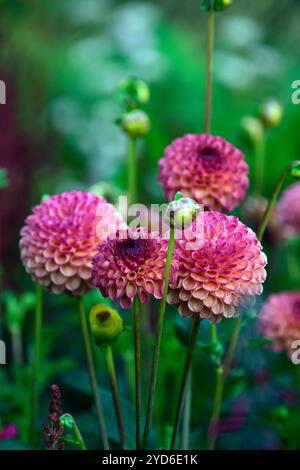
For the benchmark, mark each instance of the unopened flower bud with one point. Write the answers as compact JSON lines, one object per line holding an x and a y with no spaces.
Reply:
{"x":136,"y":123}
{"x":295,"y":171}
{"x":134,"y":92}
{"x":182,"y":212}
{"x":217,"y":5}
{"x":271,"y":113}
{"x":253,"y":128}
{"x":106,"y":324}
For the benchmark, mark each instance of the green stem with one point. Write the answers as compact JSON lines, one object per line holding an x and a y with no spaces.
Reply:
{"x":132,"y":169}
{"x":92,"y":373}
{"x":209,"y":69}
{"x":187,"y":414}
{"x":17,"y":348}
{"x":193,"y":339}
{"x":158,"y":337}
{"x":221,"y":375}
{"x":35,"y":382}
{"x":259,"y":149}
{"x":138,"y":370}
{"x":114,"y":387}
{"x":273,"y":200}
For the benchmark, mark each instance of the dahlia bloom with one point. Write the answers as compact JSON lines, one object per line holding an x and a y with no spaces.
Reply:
{"x":60,"y":238}
{"x":206,"y":168}
{"x":131,"y":263}
{"x":289,"y":209}
{"x":227,"y":270}
{"x":279,"y":320}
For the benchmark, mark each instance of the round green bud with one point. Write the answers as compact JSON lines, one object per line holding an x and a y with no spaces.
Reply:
{"x":253,"y":128}
{"x":106,"y":190}
{"x":217,"y":5}
{"x":181,"y":212}
{"x":295,"y":171}
{"x":135,"y":123}
{"x":271,"y":113}
{"x":134,"y":92}
{"x":106,"y":324}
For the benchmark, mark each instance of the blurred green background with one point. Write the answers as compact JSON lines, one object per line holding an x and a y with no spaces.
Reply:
{"x":61,"y":61}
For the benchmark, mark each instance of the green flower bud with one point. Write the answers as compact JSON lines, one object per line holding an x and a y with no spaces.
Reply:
{"x":253,"y":128}
{"x":295,"y":171}
{"x":106,"y":324}
{"x":217,"y":5}
{"x":136,"y":123}
{"x":134,"y":92}
{"x":106,"y":190}
{"x":271,"y":113}
{"x":182,"y":212}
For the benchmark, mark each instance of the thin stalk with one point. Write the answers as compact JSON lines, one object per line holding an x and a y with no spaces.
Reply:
{"x":35,"y":383}
{"x":158,"y":337}
{"x":132,"y":169}
{"x":115,"y":393}
{"x":186,"y":421}
{"x":193,"y":339}
{"x":209,"y":69}
{"x":259,"y":149}
{"x":273,"y":200}
{"x":138,"y":370}
{"x":92,"y":373}
{"x":221,"y":375}
{"x":17,"y":349}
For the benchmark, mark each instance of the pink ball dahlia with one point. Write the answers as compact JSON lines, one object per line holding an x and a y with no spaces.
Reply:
{"x":131,"y":263}
{"x":289,"y":209}
{"x":279,"y":320}
{"x":60,"y":238}
{"x":218,"y":277}
{"x":206,"y":168}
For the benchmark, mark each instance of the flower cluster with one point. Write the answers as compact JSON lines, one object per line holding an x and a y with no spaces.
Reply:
{"x":131,"y":263}
{"x":280,"y":320}
{"x":53,"y":430}
{"x":206,"y":168}
{"x":60,"y":239}
{"x":227,"y":270}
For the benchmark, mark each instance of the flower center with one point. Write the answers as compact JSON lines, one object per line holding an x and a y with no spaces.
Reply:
{"x":133,"y":252}
{"x":211,"y":159}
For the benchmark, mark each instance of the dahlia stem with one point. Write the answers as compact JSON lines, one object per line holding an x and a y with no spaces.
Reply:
{"x":35,"y":382}
{"x":115,"y":393}
{"x":193,"y":339}
{"x":187,"y":414}
{"x":92,"y":373}
{"x":221,"y":375}
{"x":132,"y":169}
{"x":209,"y":68}
{"x":158,"y":337}
{"x":259,"y":149}
{"x":138,"y":370}
{"x":273,"y":200}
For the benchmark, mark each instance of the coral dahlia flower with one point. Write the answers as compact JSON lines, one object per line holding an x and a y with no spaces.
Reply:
{"x":60,"y":238}
{"x":289,"y":209}
{"x":214,"y":280}
{"x":131,"y":263}
{"x":206,"y":168}
{"x":279,"y":320}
